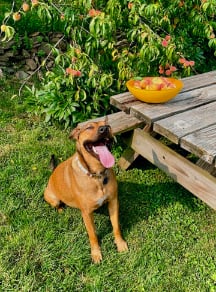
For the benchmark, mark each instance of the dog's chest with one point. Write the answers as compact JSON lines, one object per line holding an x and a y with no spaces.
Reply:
{"x":101,"y":196}
{"x":101,"y":200}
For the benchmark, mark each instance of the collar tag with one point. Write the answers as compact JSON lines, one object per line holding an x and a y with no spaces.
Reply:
{"x":105,"y":180}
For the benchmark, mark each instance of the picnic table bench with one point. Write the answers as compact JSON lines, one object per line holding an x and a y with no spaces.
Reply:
{"x":188,"y":122}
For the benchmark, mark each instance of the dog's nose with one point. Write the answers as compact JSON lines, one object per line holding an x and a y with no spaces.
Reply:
{"x":103,"y":129}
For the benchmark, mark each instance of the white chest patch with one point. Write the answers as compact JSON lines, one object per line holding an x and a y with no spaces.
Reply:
{"x":101,"y":200}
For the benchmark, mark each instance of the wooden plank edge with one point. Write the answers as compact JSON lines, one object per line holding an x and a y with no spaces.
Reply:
{"x":115,"y":121}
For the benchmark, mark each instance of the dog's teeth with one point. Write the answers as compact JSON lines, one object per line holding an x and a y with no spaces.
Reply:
{"x":95,"y":151}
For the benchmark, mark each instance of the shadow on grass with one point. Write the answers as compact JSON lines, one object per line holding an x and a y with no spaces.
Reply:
{"x":148,"y":196}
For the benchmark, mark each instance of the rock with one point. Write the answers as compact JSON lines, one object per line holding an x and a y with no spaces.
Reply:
{"x":36,"y":59}
{"x":25,"y":53}
{"x":45,"y":48}
{"x":4,"y":59}
{"x":9,"y":54}
{"x":26,"y":68}
{"x":35,"y":34}
{"x":31,"y":63}
{"x":7,"y":45}
{"x":9,"y":70}
{"x":3,"y":63}
{"x":50,"y":64}
{"x":54,"y":40}
{"x":19,"y":60}
{"x":21,"y":75}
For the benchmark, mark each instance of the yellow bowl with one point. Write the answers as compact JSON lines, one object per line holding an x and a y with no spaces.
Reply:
{"x":155,"y":96}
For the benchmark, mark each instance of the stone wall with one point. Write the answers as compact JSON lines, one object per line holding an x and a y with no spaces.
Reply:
{"x":22,"y":57}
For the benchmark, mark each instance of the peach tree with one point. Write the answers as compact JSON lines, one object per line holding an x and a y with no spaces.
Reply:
{"x":108,"y":43}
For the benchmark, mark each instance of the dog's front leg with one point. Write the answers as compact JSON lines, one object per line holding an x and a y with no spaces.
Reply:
{"x":113,"y":207}
{"x":90,"y":226}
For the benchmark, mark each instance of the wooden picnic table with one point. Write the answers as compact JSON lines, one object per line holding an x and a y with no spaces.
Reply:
{"x":189,"y":123}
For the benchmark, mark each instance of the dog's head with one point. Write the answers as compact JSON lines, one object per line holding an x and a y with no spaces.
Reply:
{"x":94,"y":141}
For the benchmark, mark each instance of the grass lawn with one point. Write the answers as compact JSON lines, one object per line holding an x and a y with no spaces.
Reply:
{"x":170,"y":233}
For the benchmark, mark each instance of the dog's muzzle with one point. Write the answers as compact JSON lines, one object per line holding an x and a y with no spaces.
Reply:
{"x":101,"y":147}
{"x":104,"y":130}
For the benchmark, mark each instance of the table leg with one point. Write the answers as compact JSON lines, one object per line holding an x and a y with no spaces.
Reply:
{"x":127,"y":158}
{"x":129,"y":155}
{"x":198,"y":181}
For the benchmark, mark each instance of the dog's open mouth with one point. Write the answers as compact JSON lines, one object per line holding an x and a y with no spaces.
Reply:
{"x":101,"y":150}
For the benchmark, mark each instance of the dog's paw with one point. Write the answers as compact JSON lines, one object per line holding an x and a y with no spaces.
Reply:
{"x":96,"y":256}
{"x":121,"y":245}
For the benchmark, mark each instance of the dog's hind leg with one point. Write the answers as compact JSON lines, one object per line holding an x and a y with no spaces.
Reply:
{"x":52,"y":199}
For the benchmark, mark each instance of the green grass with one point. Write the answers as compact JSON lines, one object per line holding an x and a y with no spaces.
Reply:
{"x":170,"y":233}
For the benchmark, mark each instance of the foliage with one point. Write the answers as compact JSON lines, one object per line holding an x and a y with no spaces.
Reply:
{"x":71,"y":95}
{"x":121,"y":39}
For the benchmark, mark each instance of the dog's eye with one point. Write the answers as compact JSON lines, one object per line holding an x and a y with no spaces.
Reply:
{"x":89,"y":127}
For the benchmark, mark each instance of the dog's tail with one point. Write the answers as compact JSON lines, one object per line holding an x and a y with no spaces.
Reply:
{"x":53,"y":162}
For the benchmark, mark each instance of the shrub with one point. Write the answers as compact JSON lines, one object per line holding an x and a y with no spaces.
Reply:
{"x":118,"y":39}
{"x":76,"y":89}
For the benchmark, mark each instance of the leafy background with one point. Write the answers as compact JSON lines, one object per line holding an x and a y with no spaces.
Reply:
{"x":109,"y":43}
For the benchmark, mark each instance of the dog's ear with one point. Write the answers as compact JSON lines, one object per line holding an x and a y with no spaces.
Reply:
{"x":75,"y":133}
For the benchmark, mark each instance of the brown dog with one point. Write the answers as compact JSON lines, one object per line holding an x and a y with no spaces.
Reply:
{"x":86,"y":181}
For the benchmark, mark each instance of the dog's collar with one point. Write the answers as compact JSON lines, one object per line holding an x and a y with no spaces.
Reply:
{"x":100,"y":175}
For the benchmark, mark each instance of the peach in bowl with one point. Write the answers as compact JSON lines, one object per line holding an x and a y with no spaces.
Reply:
{"x":154,"y":89}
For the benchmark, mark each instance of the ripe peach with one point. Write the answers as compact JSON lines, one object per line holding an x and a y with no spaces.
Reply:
{"x":137,"y":84}
{"x":143,"y":83}
{"x":157,"y":80}
{"x":93,"y":12}
{"x":78,"y":73}
{"x":25,"y":7}
{"x":68,"y":70}
{"x":164,"y":43}
{"x":146,"y":81}
{"x":16,"y":16}
{"x":78,"y":51}
{"x":173,"y":68}
{"x":75,"y":73}
{"x":170,"y":85}
{"x":34,"y":3}
{"x":182,"y":60}
{"x":152,"y":87}
{"x":191,"y":63}
{"x":168,"y":72}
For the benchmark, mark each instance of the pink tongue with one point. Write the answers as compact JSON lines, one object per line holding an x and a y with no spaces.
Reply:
{"x":105,"y":156}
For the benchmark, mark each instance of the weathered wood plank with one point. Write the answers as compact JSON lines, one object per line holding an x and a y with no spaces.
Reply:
{"x":123,"y":101}
{"x":120,"y":122}
{"x":180,"y":125}
{"x":200,"y":80}
{"x":182,"y":102}
{"x":202,"y":143}
{"x":198,"y":181}
{"x":208,"y":167}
